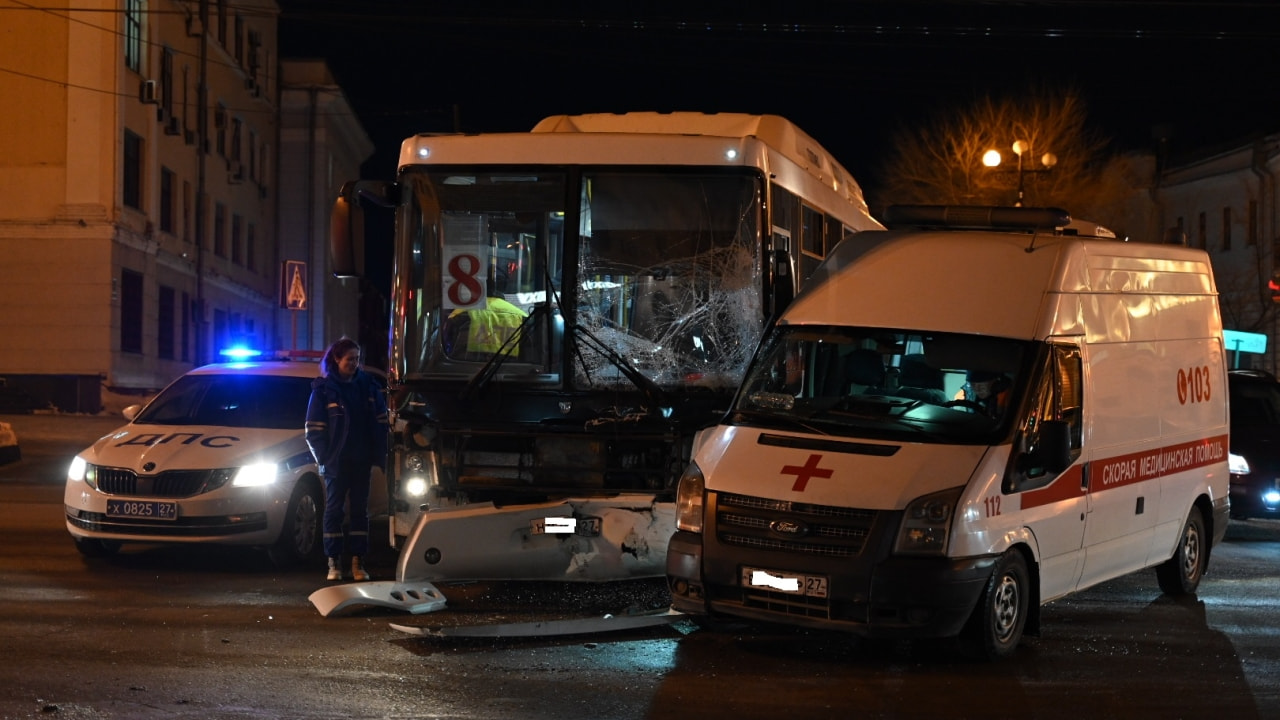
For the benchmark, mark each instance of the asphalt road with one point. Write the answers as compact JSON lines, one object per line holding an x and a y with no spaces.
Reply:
{"x":160,"y":632}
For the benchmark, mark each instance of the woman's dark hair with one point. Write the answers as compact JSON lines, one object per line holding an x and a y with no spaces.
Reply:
{"x":340,"y":347}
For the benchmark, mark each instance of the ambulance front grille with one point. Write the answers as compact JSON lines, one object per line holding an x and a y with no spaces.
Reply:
{"x":170,"y":484}
{"x":766,"y":524}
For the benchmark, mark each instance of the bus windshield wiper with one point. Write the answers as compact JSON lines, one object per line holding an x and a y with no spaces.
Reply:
{"x":652,"y":392}
{"x":490,"y":368}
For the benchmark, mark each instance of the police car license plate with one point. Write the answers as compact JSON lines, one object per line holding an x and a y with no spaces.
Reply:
{"x":143,"y":509}
{"x":785,"y":582}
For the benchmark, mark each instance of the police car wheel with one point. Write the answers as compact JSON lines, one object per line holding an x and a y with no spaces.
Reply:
{"x":92,"y":547}
{"x":1180,"y":574}
{"x":995,"y":628}
{"x":300,"y":535}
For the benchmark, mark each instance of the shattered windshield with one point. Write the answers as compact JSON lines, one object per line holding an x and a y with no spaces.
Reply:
{"x":623,"y":279}
{"x":876,"y":382}
{"x":669,"y":277}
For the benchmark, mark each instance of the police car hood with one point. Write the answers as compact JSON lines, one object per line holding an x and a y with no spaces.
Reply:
{"x":193,"y":447}
{"x":826,"y":470}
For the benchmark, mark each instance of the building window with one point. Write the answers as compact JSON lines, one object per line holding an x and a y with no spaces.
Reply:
{"x":220,"y":230}
{"x":236,"y":256}
{"x":222,"y":22}
{"x":131,"y":183}
{"x":236,"y":128}
{"x":164,"y":330}
{"x":1202,"y":239}
{"x":130,"y":311}
{"x":250,"y":251}
{"x":133,"y":35}
{"x":1252,"y":237}
{"x":187,"y":199}
{"x":1226,"y":228}
{"x":166,"y":83}
{"x":186,"y":327}
{"x":220,"y":129}
{"x":167,"y":181}
{"x":238,"y":41}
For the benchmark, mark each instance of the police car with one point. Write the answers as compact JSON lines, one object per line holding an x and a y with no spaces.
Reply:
{"x":218,"y":456}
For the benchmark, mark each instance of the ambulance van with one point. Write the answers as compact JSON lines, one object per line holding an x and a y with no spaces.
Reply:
{"x":958,"y":420}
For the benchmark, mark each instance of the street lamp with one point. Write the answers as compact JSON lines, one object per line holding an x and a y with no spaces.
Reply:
{"x":991,"y":158}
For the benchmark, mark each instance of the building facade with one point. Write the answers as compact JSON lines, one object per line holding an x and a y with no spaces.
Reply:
{"x":140,"y":193}
{"x":1225,"y":201}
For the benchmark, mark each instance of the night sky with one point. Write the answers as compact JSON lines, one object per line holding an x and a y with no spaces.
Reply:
{"x":1203,"y":72}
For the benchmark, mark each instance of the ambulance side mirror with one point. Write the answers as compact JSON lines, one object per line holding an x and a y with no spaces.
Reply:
{"x":1053,"y":449}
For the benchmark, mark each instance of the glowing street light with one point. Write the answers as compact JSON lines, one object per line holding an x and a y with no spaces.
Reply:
{"x":992,"y":158}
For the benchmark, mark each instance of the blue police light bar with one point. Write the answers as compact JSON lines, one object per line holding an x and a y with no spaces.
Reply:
{"x":239,"y":353}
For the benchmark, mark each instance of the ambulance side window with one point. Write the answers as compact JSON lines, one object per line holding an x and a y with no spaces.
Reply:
{"x":1051,"y":435}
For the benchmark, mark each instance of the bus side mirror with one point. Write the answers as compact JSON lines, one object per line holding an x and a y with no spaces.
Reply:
{"x":784,"y":286}
{"x":346,"y":224}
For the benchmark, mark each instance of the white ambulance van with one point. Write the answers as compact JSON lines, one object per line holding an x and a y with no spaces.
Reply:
{"x":958,"y":420}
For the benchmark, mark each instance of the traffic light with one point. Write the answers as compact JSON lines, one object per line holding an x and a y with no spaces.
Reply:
{"x":1274,"y":286}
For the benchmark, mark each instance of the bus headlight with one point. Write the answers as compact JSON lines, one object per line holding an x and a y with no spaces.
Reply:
{"x":689,"y":499}
{"x":256,"y":475}
{"x":926,"y":524}
{"x":418,"y":472}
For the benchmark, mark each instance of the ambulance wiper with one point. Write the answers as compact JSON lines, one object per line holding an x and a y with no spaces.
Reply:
{"x":776,"y":420}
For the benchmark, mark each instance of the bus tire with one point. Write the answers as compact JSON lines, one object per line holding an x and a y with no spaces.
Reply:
{"x":995,"y":628}
{"x":302,"y":529}
{"x":1181,"y":573}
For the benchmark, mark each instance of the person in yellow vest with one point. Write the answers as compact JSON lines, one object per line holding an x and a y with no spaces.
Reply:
{"x":481,"y":333}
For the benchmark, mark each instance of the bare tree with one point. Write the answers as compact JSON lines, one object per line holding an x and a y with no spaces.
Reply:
{"x":940,"y":161}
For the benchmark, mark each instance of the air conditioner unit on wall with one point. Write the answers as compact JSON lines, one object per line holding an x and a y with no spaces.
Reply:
{"x":149,"y":92}
{"x":189,"y":136}
{"x":173,"y":127}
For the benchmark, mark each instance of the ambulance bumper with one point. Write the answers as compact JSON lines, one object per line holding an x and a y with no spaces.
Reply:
{"x":896,"y":597}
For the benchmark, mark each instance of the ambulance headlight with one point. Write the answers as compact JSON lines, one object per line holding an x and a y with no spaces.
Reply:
{"x":1237,"y":465}
{"x":256,"y":475}
{"x":689,"y":499}
{"x":926,"y":524}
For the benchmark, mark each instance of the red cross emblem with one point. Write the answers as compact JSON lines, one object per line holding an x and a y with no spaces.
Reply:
{"x":804,"y":472}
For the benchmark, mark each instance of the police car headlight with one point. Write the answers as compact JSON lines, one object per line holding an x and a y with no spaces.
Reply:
{"x":926,"y":524}
{"x":689,"y":499}
{"x":256,"y":475}
{"x":1237,"y":465}
{"x":81,"y":471}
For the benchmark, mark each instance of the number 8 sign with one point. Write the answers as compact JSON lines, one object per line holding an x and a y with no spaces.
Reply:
{"x":464,"y":281}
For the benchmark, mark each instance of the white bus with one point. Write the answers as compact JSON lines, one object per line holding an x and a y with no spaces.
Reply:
{"x":569,"y":307}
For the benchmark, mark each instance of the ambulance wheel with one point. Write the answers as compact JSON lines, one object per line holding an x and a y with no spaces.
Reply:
{"x":301,"y":533}
{"x":995,"y":628}
{"x":94,"y":548}
{"x":1180,"y":574}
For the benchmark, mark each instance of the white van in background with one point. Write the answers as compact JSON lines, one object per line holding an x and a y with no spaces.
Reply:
{"x":958,"y":420}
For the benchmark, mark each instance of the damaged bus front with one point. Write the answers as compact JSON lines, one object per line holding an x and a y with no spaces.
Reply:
{"x":570,"y":306}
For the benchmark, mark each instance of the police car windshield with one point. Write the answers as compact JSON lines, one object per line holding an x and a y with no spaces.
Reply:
{"x":241,"y":401}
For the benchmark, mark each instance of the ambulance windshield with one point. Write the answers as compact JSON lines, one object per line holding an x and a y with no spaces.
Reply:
{"x":876,"y":382}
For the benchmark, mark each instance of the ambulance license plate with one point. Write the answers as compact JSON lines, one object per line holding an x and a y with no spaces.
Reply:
{"x":143,"y":509}
{"x":785,"y":582}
